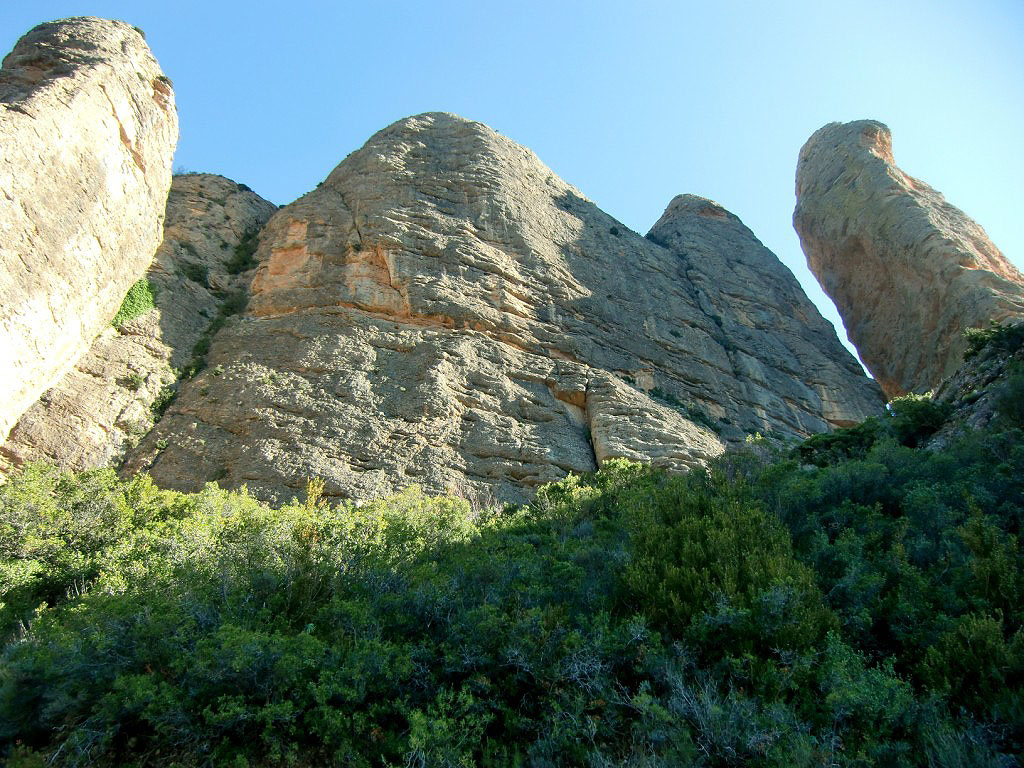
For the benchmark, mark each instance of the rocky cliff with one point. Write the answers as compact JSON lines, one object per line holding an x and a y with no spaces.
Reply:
{"x":88,"y":127}
{"x":112,"y":394}
{"x":444,"y":310}
{"x":908,"y":271}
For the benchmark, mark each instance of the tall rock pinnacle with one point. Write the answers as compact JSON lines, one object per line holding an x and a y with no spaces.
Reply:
{"x":87,"y":130}
{"x":908,"y":271}
{"x":443,"y":310}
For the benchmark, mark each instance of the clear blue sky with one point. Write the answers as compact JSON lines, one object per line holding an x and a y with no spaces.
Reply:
{"x":632,"y":103}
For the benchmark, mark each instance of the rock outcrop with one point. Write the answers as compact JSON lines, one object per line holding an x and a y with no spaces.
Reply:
{"x":781,"y":351}
{"x":908,"y":271}
{"x":109,"y":398}
{"x":987,"y":386}
{"x":443,"y":310}
{"x":88,"y":127}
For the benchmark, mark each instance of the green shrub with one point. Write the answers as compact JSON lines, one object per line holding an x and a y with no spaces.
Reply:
{"x":197,"y":273}
{"x":134,"y":381}
{"x":842,"y":444}
{"x":1004,"y":338}
{"x":137,"y":301}
{"x":864,"y":608}
{"x":242,"y":257}
{"x":909,"y":420}
{"x":710,"y":566}
{"x":1009,"y":396}
{"x":163,"y":401}
{"x":914,"y":418}
{"x":57,"y":530}
{"x":974,"y":662}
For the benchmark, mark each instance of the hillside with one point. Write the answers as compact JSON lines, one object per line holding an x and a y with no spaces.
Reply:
{"x":852,"y":600}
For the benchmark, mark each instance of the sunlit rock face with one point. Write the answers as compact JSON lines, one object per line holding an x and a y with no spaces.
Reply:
{"x":443,"y":310}
{"x":908,"y":271}
{"x":87,"y":130}
{"x":105,"y":402}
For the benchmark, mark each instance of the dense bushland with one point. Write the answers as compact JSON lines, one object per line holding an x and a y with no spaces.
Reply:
{"x":855,"y":600}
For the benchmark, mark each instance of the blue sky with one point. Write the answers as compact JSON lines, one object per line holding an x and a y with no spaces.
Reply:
{"x":633,"y":103}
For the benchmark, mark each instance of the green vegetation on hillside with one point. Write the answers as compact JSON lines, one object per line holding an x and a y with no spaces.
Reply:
{"x":138,"y":300}
{"x":1005,"y":338}
{"x":242,"y":258}
{"x":855,"y":601}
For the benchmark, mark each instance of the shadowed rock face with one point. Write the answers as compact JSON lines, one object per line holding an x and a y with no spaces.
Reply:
{"x":779,"y":346}
{"x":87,"y":130}
{"x":444,"y":310}
{"x":908,"y":271}
{"x":102,"y":405}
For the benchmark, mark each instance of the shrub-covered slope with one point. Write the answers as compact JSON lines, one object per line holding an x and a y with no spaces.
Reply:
{"x":855,"y":600}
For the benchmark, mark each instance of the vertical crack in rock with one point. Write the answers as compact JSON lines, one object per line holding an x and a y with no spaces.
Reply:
{"x":113,"y":393}
{"x":127,"y":142}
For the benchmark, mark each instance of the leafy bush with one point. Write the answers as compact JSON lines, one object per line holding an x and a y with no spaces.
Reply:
{"x":710,"y":566}
{"x":1004,"y":338}
{"x":915,"y":418}
{"x":163,"y":401}
{"x":842,"y":444}
{"x":909,"y":420}
{"x":134,"y":381}
{"x":861,"y":609}
{"x":197,"y":273}
{"x":1009,"y":396}
{"x":137,"y":301}
{"x":242,"y":257}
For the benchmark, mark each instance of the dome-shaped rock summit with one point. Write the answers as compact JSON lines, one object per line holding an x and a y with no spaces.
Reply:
{"x":443,"y":310}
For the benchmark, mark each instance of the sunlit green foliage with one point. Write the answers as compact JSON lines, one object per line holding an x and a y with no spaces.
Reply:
{"x":855,"y":603}
{"x":138,"y":300}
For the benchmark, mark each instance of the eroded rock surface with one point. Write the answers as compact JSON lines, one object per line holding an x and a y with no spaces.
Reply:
{"x":908,"y":271}
{"x":104,"y":404}
{"x":87,"y":130}
{"x":985,"y":387}
{"x":444,"y":310}
{"x":784,"y":359}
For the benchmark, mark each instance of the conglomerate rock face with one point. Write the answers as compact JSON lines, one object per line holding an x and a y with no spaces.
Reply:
{"x":908,"y":271}
{"x":443,"y":310}
{"x":87,"y":130}
{"x":105,"y":402}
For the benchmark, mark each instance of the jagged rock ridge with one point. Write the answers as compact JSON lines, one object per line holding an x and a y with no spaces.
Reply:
{"x":88,"y":127}
{"x":443,"y":310}
{"x":908,"y":271}
{"x":200,"y":270}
